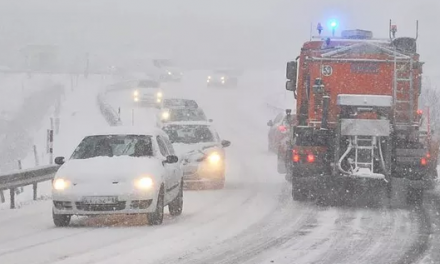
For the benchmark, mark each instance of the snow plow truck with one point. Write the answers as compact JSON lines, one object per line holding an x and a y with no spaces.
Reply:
{"x":359,"y":133}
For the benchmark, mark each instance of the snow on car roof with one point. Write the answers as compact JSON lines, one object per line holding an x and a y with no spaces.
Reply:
{"x":129,"y":130}
{"x":189,"y":123}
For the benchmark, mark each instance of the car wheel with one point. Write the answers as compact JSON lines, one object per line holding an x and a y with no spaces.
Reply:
{"x":156,"y":218}
{"x":61,"y":220}
{"x":176,"y":206}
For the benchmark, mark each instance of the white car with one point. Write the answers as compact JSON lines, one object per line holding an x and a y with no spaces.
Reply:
{"x":201,"y":152}
{"x":121,"y":171}
{"x":148,"y":92}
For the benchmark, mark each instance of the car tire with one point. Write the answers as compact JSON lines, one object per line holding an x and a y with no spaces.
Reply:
{"x":176,"y":206}
{"x":156,"y":218}
{"x":61,"y":220}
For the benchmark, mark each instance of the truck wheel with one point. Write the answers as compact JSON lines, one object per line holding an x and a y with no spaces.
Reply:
{"x":61,"y":220}
{"x":298,"y":194}
{"x":414,"y":197}
{"x":176,"y":206}
{"x":156,"y":218}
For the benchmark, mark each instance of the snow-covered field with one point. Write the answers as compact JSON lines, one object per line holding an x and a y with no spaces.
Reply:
{"x":70,"y":131}
{"x":253,"y":220}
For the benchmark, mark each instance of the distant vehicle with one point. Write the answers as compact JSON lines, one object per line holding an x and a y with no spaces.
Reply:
{"x":278,"y":131}
{"x":179,"y":103}
{"x":201,"y":151}
{"x":222,"y":78}
{"x":183,"y":115}
{"x":148,"y":92}
{"x":170,"y":73}
{"x":120,"y":171}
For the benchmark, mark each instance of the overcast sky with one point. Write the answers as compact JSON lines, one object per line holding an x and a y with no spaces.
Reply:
{"x":242,"y":32}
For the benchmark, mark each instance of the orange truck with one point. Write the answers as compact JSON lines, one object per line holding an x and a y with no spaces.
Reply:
{"x":359,"y":127}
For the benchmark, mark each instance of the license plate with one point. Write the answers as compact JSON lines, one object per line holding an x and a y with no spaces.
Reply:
{"x":100,"y":200}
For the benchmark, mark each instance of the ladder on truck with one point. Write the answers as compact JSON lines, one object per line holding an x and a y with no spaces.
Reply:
{"x":403,"y":91}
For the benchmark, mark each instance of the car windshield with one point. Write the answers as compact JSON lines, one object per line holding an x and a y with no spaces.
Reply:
{"x":179,"y":103}
{"x":148,"y":84}
{"x":114,"y":145}
{"x":189,"y":134}
{"x":187,"y":115}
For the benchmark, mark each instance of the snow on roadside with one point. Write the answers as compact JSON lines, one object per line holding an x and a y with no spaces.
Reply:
{"x":78,"y":114}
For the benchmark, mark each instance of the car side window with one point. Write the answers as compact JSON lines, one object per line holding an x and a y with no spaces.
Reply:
{"x":278,"y":118}
{"x":162,"y":147}
{"x":169,"y":146}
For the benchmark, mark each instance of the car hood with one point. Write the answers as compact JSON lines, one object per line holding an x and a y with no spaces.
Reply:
{"x":112,"y":169}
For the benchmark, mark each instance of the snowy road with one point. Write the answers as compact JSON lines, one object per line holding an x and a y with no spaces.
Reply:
{"x":253,"y":220}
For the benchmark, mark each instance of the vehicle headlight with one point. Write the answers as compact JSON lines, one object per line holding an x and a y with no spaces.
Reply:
{"x":165,"y":115}
{"x":136,"y":99}
{"x":209,"y":77}
{"x":136,"y":93}
{"x":158,"y":100}
{"x":144,"y":183}
{"x":214,"y":158}
{"x":60,"y":184}
{"x":169,"y":73}
{"x":159,"y":94}
{"x":222,"y":78}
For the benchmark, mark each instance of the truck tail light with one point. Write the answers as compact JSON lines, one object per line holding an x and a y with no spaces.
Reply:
{"x":310,"y":158}
{"x":423,"y":161}
{"x":282,"y":129}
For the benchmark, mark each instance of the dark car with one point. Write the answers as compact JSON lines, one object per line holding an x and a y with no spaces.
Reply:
{"x":222,"y":78}
{"x":278,"y":131}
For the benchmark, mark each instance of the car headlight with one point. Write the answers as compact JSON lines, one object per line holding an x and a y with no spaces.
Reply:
{"x":136,"y":99}
{"x":144,"y":183}
{"x":170,"y":73}
{"x":136,"y":93}
{"x":159,"y":94}
{"x":158,"y":100}
{"x":60,"y":184}
{"x":222,"y":78}
{"x":165,"y":115}
{"x":209,"y":77}
{"x":214,"y":158}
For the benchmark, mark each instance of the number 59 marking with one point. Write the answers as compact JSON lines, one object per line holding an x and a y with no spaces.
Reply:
{"x":326,"y":70}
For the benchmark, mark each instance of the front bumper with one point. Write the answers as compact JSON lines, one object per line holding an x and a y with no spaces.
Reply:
{"x":203,"y":173}
{"x":133,"y":203}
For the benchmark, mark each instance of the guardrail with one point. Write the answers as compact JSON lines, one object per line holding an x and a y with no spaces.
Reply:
{"x":21,"y":178}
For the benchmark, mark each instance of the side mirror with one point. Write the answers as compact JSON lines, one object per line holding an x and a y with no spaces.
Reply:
{"x":270,"y":123}
{"x":291,"y":71}
{"x":172,"y":159}
{"x":210,"y":120}
{"x":225,"y":143}
{"x":291,"y":86}
{"x":59,"y":160}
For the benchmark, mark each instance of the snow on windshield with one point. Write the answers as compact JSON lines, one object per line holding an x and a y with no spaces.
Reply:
{"x":189,"y":134}
{"x":114,"y":145}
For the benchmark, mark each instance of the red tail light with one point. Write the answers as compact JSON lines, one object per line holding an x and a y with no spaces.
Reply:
{"x":310,"y":158}
{"x":423,"y":162}
{"x":295,"y":158}
{"x":428,"y":155}
{"x":282,"y":128}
